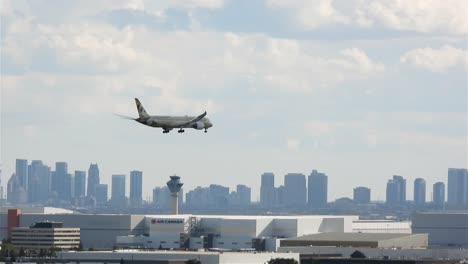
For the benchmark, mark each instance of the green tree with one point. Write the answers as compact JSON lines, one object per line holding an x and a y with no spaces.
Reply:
{"x":282,"y":261}
{"x":22,"y":253}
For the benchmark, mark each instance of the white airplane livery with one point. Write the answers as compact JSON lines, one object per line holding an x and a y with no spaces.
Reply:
{"x":167,"y":123}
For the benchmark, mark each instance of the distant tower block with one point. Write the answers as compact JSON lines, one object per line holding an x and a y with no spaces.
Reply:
{"x":174,"y":186}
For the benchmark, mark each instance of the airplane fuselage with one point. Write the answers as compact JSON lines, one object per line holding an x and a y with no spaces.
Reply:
{"x":170,"y":122}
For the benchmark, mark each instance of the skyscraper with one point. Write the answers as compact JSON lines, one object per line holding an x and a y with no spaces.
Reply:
{"x":162,"y":198}
{"x":80,"y":183}
{"x":62,"y":181}
{"x":244,"y":194}
{"x":219,"y":196}
{"x":22,"y":173}
{"x":198,"y":198}
{"x":1,"y":186}
{"x":396,"y":190}
{"x":419,"y":191}
{"x":34,"y":171}
{"x":457,"y":188}
{"x":101,"y":193}
{"x":118,"y":187}
{"x":267,"y":190}
{"x":16,"y":194}
{"x":93,"y":179}
{"x":295,"y":190}
{"x":318,"y":189}
{"x":44,"y":183}
{"x":438,"y":194}
{"x":361,"y":195}
{"x":136,"y":183}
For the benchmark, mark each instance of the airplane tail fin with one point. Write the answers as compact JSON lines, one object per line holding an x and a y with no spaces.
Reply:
{"x":141,"y":110}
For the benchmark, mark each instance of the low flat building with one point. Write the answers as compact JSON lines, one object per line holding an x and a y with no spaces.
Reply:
{"x":173,"y":257}
{"x":369,"y":240}
{"x":98,"y":231}
{"x":381,"y":226}
{"x":312,"y":252}
{"x":45,"y":235}
{"x":448,"y":229}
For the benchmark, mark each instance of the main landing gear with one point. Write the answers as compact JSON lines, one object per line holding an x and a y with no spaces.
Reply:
{"x":165,"y":131}
{"x":180,"y":131}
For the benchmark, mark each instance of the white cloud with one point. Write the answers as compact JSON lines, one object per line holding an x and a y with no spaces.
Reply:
{"x":436,"y":60}
{"x":309,"y":15}
{"x":378,"y":129}
{"x":428,"y":16}
{"x":209,"y":4}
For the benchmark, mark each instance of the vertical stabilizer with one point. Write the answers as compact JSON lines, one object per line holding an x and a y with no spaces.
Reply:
{"x":141,"y":109}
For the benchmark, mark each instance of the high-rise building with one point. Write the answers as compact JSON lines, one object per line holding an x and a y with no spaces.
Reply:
{"x":136,"y":183}
{"x":101,"y":193}
{"x":396,"y":190}
{"x":361,"y":195}
{"x":240,"y":197}
{"x":295,"y":190}
{"x":419,"y":191}
{"x":1,"y":186}
{"x":197,"y":198}
{"x":162,"y":198}
{"x":80,"y":184}
{"x":318,"y":190}
{"x":267,"y":190}
{"x":62,"y":181}
{"x":93,"y":179}
{"x":44,"y":183}
{"x":457,"y":188}
{"x":438,"y":194}
{"x":280,"y":196}
{"x":22,"y":173}
{"x":244,"y":194}
{"x":219,"y":196}
{"x":34,"y":181}
{"x":118,"y":187}
{"x":16,"y":194}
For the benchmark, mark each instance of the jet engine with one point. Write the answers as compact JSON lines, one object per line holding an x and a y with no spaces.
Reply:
{"x":198,"y":125}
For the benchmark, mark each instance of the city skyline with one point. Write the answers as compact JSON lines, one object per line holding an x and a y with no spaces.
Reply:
{"x":312,"y":196}
{"x":360,"y":90}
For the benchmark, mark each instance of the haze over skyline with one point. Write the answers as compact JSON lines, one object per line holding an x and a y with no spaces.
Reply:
{"x":359,"y":90}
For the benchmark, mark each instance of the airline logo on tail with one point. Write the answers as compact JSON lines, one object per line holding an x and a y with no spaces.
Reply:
{"x":141,"y":110}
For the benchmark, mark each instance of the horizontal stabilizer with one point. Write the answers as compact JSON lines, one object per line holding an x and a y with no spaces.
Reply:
{"x":125,"y":117}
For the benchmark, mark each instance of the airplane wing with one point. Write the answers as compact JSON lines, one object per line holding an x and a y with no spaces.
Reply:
{"x":194,"y":120}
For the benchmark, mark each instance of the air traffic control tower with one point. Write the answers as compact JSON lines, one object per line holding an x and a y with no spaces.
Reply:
{"x":174,"y":186}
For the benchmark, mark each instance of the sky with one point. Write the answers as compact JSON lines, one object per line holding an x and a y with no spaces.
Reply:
{"x":360,"y":90}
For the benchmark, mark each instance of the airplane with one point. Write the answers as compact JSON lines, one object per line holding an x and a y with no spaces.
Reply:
{"x":167,"y":123}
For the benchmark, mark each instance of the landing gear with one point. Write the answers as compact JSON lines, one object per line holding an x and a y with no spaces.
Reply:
{"x":181,"y":131}
{"x":165,"y":131}
{"x":206,"y":130}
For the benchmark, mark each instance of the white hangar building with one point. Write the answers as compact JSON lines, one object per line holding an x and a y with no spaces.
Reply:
{"x":230,"y":232}
{"x":447,"y":229}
